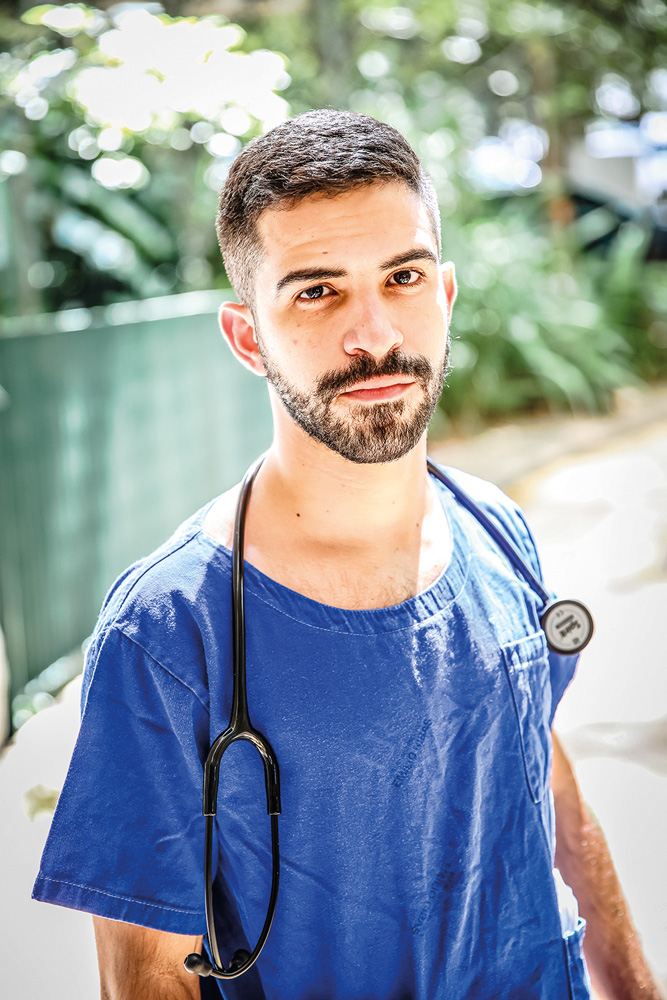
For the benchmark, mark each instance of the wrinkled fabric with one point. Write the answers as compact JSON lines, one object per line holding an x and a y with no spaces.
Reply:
{"x":417,"y":826}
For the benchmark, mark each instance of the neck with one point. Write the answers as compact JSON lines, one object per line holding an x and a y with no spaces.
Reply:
{"x":333,"y":500}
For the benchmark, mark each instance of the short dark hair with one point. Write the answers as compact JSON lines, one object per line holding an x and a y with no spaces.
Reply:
{"x":325,"y":152}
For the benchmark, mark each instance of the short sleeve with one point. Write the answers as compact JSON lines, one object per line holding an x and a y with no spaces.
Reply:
{"x":127,"y":837}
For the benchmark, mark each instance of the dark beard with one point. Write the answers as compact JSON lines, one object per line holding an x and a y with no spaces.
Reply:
{"x":370,"y":433}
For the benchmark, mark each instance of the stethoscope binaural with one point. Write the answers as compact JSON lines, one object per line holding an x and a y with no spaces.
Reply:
{"x":568,"y":628}
{"x":239,"y":728}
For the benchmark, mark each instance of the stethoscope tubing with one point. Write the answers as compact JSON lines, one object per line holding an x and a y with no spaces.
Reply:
{"x":219,"y":971}
{"x":505,"y":544}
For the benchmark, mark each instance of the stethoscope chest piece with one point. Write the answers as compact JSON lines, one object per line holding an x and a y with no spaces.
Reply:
{"x":568,"y":626}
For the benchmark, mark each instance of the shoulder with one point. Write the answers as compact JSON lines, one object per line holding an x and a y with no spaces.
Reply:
{"x":218,"y":521}
{"x":165,"y":601}
{"x":489,"y":496}
{"x":504,"y":511}
{"x":175,"y":571}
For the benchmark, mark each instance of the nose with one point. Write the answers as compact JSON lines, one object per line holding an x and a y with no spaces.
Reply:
{"x":371,"y":330}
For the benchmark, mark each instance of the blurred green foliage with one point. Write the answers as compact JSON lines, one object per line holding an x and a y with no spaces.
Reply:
{"x":492,"y":95}
{"x":538,"y":323}
{"x":109,"y":184}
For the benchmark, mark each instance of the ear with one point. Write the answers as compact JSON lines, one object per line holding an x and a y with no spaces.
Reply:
{"x":238,"y":329}
{"x":448,"y":278}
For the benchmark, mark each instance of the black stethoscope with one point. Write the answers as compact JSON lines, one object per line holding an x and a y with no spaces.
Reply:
{"x":567,"y":625}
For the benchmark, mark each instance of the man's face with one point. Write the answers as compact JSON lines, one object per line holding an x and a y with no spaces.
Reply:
{"x":351,"y":317}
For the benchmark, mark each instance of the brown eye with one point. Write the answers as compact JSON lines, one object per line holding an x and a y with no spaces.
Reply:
{"x":405,"y":277}
{"x":316,"y":292}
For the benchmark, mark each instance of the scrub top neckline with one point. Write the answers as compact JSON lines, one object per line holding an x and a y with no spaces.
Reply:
{"x":424,"y":605}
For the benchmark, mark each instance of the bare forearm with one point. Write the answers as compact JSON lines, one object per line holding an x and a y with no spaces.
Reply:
{"x":149,"y":988}
{"x":613,"y":952}
{"x":137,"y":963}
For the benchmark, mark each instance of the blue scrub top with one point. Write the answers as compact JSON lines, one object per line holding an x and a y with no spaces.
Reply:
{"x":417,"y":831}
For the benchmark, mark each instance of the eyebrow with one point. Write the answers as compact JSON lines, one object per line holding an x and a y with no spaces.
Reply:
{"x":324,"y":273}
{"x":417,"y":253}
{"x":310,"y":274}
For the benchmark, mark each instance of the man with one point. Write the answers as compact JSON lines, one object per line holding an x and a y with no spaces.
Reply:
{"x":395,"y":659}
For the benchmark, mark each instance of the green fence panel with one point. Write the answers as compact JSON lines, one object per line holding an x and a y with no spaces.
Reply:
{"x":115,"y":425}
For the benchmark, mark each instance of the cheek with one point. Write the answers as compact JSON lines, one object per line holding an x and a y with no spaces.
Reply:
{"x":306,"y":350}
{"x":298,"y":356}
{"x":437,"y":322}
{"x":424,"y":330}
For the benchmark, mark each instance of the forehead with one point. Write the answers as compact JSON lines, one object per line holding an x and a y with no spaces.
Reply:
{"x":366,"y":223}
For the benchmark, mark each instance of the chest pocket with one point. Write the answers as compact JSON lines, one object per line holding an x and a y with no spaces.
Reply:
{"x":527,"y":667}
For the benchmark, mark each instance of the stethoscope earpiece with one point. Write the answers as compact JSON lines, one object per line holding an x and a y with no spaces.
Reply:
{"x":240,"y":958}
{"x":198,"y":964}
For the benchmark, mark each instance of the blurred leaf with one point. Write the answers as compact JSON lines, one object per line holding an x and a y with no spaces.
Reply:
{"x":34,"y":14}
{"x":40,"y":799}
{"x":121,"y":212}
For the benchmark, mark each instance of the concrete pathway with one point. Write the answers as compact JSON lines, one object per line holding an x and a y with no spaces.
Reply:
{"x":595,"y":490}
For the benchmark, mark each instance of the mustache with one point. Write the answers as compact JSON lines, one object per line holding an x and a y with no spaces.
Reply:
{"x":364,"y":366}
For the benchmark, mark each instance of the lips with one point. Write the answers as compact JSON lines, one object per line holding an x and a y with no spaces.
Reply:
{"x":380,"y":382}
{"x":366,"y":374}
{"x":379,"y":389}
